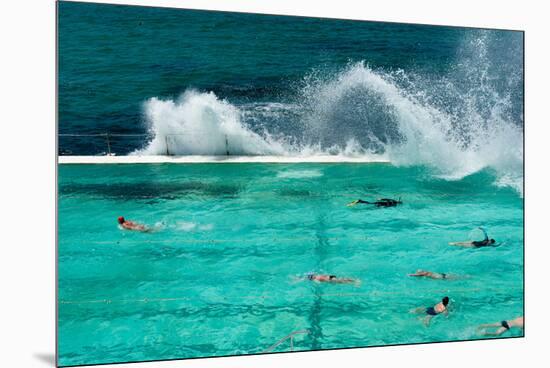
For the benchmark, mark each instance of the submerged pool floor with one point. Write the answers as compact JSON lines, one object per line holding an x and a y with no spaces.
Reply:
{"x":223,"y":272}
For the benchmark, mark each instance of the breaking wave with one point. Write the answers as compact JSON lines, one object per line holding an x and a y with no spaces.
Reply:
{"x":466,"y":121}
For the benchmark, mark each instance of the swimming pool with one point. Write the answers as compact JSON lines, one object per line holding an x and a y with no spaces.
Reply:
{"x":223,"y":272}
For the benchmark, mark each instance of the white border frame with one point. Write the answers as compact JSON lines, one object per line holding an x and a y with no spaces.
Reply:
{"x":28,"y":183}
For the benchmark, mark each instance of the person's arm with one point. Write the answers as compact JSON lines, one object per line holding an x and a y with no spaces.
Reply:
{"x":136,"y":226}
{"x":418,"y":273}
{"x":418,"y":310}
{"x":462,"y":244}
{"x":484,"y":233}
{"x":498,"y":332}
{"x":517,"y":322}
{"x":496,"y":324}
{"x":427,"y":320}
{"x":343,"y":281}
{"x":130,"y":225}
{"x":358,"y":201}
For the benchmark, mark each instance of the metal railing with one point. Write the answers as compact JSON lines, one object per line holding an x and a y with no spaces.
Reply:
{"x":106,"y":140}
{"x":290,"y":337}
{"x":170,"y":139}
{"x":106,"y":137}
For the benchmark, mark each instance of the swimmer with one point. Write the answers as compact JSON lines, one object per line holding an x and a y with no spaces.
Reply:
{"x":382,"y":202}
{"x":433,"y":275}
{"x":476,"y":244}
{"x":330,"y":278}
{"x":502,"y":326}
{"x":431,"y":312}
{"x":130,"y":225}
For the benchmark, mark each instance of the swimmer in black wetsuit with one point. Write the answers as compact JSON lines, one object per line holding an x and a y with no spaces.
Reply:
{"x":475,"y":243}
{"x":431,"y":312}
{"x":382,"y":202}
{"x":502,"y":326}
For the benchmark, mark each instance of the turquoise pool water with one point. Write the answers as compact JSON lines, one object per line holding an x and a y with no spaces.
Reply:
{"x":221,"y":275}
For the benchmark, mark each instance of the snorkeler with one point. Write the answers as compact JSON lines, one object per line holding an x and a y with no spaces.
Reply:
{"x":433,"y":275}
{"x":502,"y":326}
{"x":382,"y":202}
{"x":130,"y":225}
{"x":330,"y":278}
{"x":431,"y":312}
{"x":476,"y":244}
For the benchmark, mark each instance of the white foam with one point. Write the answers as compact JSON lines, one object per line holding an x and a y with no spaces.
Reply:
{"x":201,"y":124}
{"x":186,"y":226}
{"x":192,"y":226}
{"x":454,"y":146}
{"x":206,"y":227}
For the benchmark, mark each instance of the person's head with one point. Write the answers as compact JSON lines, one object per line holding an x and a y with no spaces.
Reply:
{"x":331,"y":277}
{"x":492,"y":241}
{"x":121,"y":220}
{"x":445,"y":301}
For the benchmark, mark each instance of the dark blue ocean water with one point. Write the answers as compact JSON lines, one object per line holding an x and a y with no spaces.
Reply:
{"x":112,"y":59}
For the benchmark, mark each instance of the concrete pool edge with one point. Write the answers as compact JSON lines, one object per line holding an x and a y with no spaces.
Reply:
{"x":135,"y":159}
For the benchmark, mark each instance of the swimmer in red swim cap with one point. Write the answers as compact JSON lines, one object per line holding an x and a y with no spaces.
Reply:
{"x":130,"y":225}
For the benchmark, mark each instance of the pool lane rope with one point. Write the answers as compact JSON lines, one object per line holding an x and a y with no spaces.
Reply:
{"x":263,"y":297}
{"x":208,"y":241}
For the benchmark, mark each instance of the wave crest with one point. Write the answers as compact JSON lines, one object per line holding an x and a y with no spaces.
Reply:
{"x":457,"y":125}
{"x":201,"y":124}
